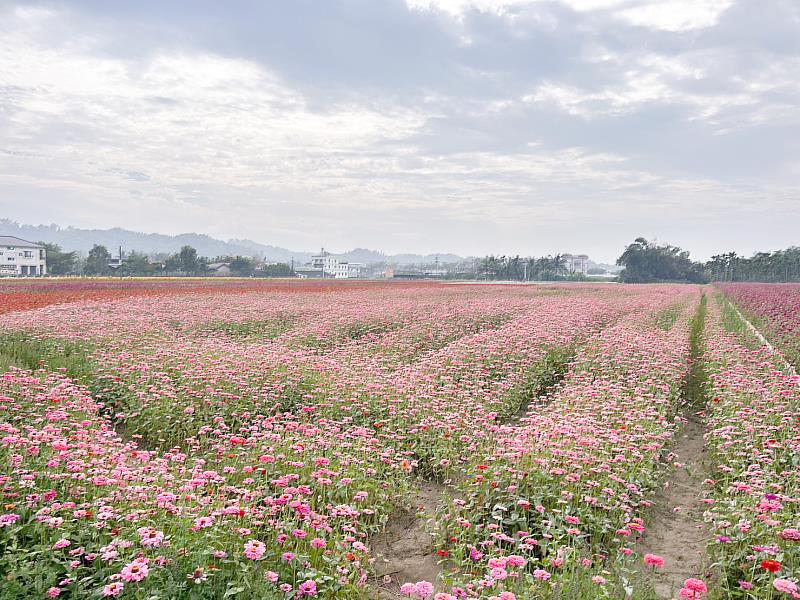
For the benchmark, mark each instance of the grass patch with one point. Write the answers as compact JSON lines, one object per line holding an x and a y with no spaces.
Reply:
{"x":733,"y":323}
{"x":25,"y":351}
{"x":545,"y":375}
{"x":669,"y":316}
{"x":251,"y":330}
{"x":694,"y":389}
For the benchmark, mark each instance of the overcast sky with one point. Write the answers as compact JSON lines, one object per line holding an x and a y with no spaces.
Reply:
{"x":470,"y":126}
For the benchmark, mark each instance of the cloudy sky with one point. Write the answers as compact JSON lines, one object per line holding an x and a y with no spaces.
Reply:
{"x":470,"y":126}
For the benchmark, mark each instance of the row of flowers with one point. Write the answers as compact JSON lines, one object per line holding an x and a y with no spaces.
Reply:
{"x":775,"y":309}
{"x":753,"y":435}
{"x":553,"y":506}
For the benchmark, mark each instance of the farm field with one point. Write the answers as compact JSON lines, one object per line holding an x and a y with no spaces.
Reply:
{"x":195,"y":438}
{"x":774,"y":309}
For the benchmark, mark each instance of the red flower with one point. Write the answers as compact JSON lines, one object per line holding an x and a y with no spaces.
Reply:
{"x":773,"y":566}
{"x":442,"y":553}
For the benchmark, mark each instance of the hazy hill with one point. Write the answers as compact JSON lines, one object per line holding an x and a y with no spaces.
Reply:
{"x":72,"y":238}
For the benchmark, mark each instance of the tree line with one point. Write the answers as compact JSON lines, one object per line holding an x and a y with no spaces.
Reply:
{"x":647,"y":262}
{"x":643,"y":261}
{"x":530,"y":268}
{"x":185,"y":262}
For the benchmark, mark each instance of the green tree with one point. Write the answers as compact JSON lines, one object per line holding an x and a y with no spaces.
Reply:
{"x":173,"y":263}
{"x":188,"y":260}
{"x":137,"y":263}
{"x":278,"y":270}
{"x":242,"y":266}
{"x":97,"y":261}
{"x":58,"y":261}
{"x":648,"y":262}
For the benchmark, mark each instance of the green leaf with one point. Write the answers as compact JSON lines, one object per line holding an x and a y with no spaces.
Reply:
{"x":233,"y":591}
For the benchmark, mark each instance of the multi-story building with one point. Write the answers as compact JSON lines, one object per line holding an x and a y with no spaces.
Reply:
{"x":20,"y":258}
{"x":576,"y":263}
{"x":337,"y":267}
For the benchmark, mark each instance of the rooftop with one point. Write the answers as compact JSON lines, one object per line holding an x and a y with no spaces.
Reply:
{"x":10,"y":240}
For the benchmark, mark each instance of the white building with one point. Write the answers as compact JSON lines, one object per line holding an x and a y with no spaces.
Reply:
{"x":576,"y":263}
{"x":19,"y":258}
{"x":337,"y":267}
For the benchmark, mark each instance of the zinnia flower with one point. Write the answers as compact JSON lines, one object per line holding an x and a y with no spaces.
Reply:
{"x":113,"y":589}
{"x":654,"y":560}
{"x":773,"y":566}
{"x":254,"y":550}
{"x":785,"y":586}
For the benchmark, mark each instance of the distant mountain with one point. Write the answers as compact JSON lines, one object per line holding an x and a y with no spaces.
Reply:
{"x":363,"y":255}
{"x":82,"y":240}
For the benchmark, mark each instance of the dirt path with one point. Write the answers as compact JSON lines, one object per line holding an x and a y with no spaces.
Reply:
{"x":676,"y":530}
{"x":405,"y":551}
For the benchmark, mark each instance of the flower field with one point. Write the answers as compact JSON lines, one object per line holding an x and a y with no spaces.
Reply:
{"x":775,"y":309}
{"x":206,"y":439}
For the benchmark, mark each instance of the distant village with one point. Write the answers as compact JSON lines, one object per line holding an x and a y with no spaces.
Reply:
{"x":23,"y":258}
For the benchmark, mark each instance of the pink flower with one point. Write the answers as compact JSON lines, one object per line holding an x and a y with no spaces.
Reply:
{"x":423,"y":589}
{"x":696,"y":585}
{"x":254,"y":550}
{"x":271,"y":576}
{"x":307,"y":588}
{"x":516,"y":561}
{"x":654,"y":560}
{"x":318,"y":543}
{"x":8,"y":519}
{"x":288,"y":556}
{"x":135,"y":571}
{"x":62,"y":543}
{"x":598,"y":580}
{"x":786,"y":586}
{"x":54,"y":592}
{"x":150,"y":536}
{"x":202,"y":523}
{"x":790,"y":534}
{"x":693,"y":588}
{"x":541,"y":575}
{"x":113,"y":589}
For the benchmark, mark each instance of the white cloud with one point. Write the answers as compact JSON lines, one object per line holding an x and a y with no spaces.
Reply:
{"x":676,"y":15}
{"x":537,"y":116}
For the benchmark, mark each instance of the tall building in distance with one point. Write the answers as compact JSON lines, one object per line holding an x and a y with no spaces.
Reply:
{"x":576,"y":263}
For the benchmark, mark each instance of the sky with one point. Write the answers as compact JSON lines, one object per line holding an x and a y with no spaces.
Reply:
{"x":466,"y":126}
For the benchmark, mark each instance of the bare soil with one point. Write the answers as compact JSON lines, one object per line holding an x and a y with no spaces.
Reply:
{"x":405,"y":551}
{"x":676,"y":530}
